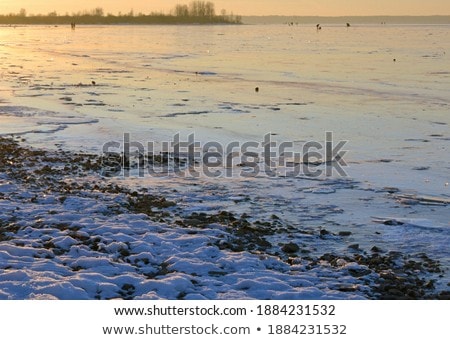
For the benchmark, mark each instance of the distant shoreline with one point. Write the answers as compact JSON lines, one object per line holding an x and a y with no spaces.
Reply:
{"x":123,"y":24}
{"x":275,"y":19}
{"x":6,"y":20}
{"x":218,"y":20}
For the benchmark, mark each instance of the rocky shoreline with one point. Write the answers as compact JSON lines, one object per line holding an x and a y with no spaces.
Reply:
{"x":373,"y":273}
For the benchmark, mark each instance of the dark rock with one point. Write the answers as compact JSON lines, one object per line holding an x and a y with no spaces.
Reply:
{"x":354,"y":246}
{"x":124,"y":252}
{"x":421,"y":168}
{"x":347,"y":288}
{"x":324,"y":232}
{"x":392,"y":222}
{"x":359,"y":272}
{"x":444,"y":295}
{"x":391,"y":190}
{"x":345,"y":233}
{"x":290,"y":248}
{"x":394,"y":292}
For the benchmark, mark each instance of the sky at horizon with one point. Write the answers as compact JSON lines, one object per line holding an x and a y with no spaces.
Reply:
{"x":242,"y":7}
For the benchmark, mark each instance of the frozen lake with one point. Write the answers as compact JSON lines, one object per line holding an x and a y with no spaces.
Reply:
{"x":382,"y":89}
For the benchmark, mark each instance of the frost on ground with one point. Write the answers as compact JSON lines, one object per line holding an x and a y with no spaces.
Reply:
{"x":68,"y":233}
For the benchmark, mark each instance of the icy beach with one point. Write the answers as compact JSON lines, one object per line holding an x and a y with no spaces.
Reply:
{"x":69,"y":229}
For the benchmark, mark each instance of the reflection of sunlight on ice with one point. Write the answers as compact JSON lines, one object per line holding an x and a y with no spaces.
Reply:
{"x":154,"y":81}
{"x":81,"y":89}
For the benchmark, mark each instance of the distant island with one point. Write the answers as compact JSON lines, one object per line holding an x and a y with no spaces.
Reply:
{"x":196,"y":12}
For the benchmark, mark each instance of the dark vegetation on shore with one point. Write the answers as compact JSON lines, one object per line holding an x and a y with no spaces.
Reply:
{"x":197,"y":12}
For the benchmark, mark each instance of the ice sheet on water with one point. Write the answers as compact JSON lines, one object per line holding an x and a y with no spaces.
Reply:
{"x":21,"y":120}
{"x":411,"y":222}
{"x":332,"y":89}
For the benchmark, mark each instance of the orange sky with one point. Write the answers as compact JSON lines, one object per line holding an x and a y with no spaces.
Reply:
{"x":244,"y":7}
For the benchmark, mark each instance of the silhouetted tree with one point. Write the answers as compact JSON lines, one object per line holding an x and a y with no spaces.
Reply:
{"x":181,"y":11}
{"x":98,"y":12}
{"x":200,"y":12}
{"x":210,"y":10}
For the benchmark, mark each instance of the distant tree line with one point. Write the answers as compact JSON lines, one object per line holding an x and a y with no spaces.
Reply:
{"x":196,"y":12}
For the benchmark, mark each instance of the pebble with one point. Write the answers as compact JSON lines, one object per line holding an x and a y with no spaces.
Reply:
{"x":324,"y":232}
{"x":359,"y":272}
{"x":290,"y":248}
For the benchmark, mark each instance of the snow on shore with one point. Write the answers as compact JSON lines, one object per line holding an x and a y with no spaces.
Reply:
{"x":75,"y":235}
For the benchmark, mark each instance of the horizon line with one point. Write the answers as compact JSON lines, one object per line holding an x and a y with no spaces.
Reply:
{"x":346,"y":16}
